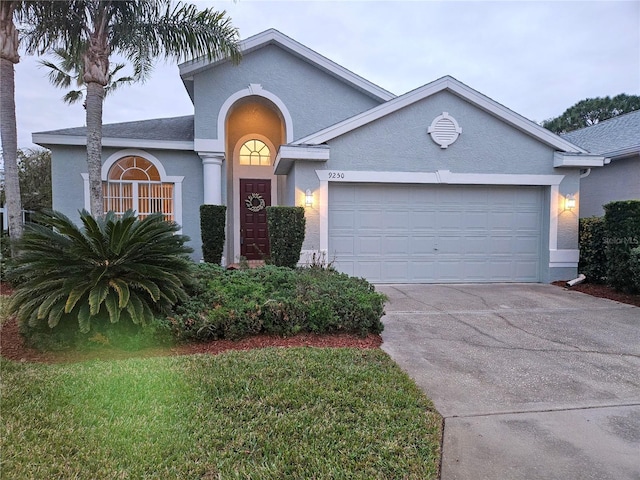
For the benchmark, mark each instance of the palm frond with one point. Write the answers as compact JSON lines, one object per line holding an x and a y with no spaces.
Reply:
{"x":110,"y":269}
{"x":97,"y":295}
{"x":73,"y":96}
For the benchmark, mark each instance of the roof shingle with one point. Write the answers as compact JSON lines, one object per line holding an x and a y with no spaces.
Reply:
{"x":618,"y":134}
{"x":170,"y":129}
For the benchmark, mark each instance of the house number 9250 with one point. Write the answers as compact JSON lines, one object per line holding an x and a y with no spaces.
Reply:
{"x":336,"y":175}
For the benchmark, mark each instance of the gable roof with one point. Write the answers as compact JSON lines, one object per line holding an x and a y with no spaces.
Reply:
{"x":456,"y":87}
{"x":171,"y":133}
{"x":616,"y":137}
{"x":274,"y":37}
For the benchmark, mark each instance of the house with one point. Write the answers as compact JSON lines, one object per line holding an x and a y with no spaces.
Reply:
{"x":618,"y":139}
{"x":441,"y":184}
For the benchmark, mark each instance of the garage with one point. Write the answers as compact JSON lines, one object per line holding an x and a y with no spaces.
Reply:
{"x":403,"y":233}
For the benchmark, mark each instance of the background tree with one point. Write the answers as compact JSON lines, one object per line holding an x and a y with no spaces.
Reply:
{"x":591,"y":111}
{"x":67,"y":71}
{"x":34,"y":172}
{"x":140,"y":31}
{"x":8,"y":129}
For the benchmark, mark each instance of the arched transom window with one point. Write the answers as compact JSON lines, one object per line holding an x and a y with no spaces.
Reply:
{"x":134,"y":183}
{"x":255,"y":152}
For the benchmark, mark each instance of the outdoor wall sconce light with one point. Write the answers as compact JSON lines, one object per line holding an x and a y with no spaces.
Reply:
{"x":308,"y":198}
{"x":569,"y":202}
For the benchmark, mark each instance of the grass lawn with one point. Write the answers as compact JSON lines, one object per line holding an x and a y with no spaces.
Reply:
{"x":263,"y":414}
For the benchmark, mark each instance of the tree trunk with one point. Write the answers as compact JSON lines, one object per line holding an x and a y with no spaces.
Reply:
{"x":8,"y":130}
{"x":95,"y":97}
{"x":96,"y":72}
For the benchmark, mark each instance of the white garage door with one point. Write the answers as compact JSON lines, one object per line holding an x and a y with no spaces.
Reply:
{"x":436,"y":233}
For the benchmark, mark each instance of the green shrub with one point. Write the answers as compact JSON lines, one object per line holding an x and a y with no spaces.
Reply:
{"x":622,"y":227}
{"x":593,"y":258}
{"x":212,"y":228}
{"x":110,"y":270}
{"x":286,"y":234}
{"x":5,"y":253}
{"x":634,"y":265}
{"x":276,"y":300}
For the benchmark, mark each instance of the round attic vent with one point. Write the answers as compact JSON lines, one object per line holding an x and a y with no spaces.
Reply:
{"x":444,"y":130}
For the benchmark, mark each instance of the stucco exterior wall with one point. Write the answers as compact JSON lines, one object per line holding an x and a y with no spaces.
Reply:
{"x":620,"y":180}
{"x":306,"y":178}
{"x":68,"y":162}
{"x":487,"y":145}
{"x":314,"y":98}
{"x":399,"y":142}
{"x":568,"y":219}
{"x":189,"y":165}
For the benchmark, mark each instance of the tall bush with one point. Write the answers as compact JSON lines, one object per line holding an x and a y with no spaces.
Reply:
{"x":286,"y":234}
{"x":622,"y":228}
{"x":212,"y":228}
{"x":635,"y":267}
{"x":109,"y":270}
{"x":593,"y":258}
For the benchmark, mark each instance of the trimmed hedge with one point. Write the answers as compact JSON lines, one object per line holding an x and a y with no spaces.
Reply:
{"x":286,"y":234}
{"x":622,"y":227}
{"x":276,"y":300}
{"x":593,"y":258}
{"x":635,"y":267}
{"x":212,"y":226}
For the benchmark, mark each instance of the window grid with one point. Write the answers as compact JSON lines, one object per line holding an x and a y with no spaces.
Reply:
{"x":135,"y":182}
{"x":255,"y":152}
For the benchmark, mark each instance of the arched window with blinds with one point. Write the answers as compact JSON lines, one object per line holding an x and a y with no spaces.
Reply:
{"x":134,"y":183}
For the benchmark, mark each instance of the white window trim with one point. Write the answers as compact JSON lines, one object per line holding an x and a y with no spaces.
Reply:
{"x":557,"y":258}
{"x":132,"y":152}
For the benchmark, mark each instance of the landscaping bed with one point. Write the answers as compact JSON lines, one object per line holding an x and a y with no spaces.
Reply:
{"x":12,"y":346}
{"x":603,"y":291}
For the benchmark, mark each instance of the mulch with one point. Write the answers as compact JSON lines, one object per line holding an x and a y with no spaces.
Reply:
{"x":12,"y":346}
{"x":603,"y":291}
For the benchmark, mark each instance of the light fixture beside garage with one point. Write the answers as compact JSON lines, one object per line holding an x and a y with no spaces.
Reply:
{"x":569,"y":202}
{"x":444,"y":130}
{"x":308,"y":198}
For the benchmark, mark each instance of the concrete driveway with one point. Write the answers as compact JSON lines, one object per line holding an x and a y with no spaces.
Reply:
{"x":534,"y":382}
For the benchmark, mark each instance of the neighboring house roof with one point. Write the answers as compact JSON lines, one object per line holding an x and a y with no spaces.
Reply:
{"x":274,"y":37}
{"x":615,"y":138}
{"x":171,"y":133}
{"x":457,"y":88}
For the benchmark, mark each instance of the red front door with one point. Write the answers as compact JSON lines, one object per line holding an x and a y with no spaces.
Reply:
{"x":255,"y":196}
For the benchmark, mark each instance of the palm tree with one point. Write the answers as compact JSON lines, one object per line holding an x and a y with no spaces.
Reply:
{"x":8,"y":130}
{"x":139,"y":30}
{"x":67,"y":71}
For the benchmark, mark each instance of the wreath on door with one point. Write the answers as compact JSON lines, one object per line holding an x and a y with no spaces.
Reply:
{"x":255,"y":202}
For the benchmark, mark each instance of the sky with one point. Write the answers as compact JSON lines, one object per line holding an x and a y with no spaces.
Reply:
{"x":535,"y":57}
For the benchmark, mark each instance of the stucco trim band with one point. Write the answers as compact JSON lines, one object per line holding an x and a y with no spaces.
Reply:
{"x":561,"y":159}
{"x":49,"y":139}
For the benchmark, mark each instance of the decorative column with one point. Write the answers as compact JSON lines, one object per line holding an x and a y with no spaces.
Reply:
{"x":212,"y":176}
